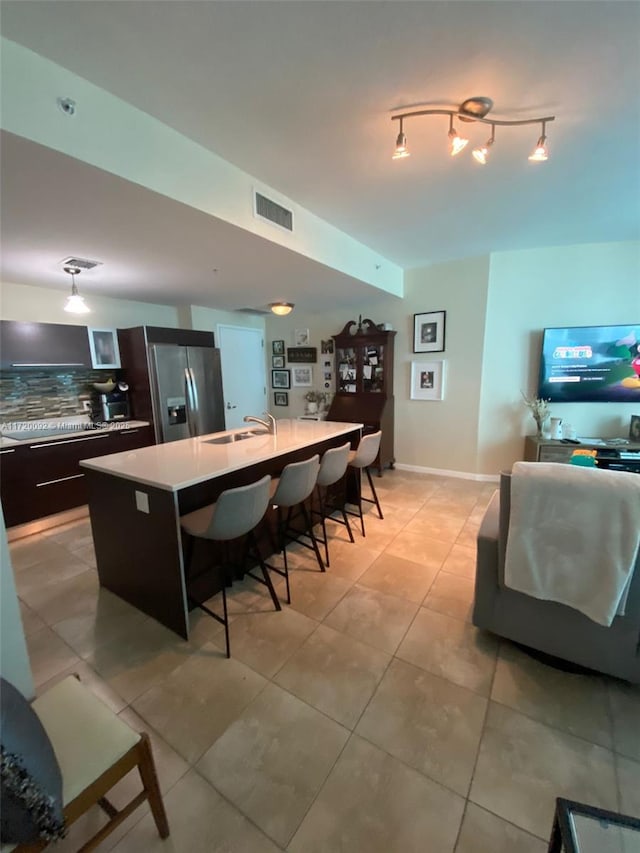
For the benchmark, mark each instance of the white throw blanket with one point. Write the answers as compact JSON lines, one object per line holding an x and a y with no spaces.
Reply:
{"x":574,"y":535}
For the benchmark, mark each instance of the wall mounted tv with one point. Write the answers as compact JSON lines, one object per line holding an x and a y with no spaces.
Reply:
{"x":591,"y":364}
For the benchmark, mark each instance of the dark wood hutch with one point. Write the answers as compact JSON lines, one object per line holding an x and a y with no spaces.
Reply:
{"x":364,"y":383}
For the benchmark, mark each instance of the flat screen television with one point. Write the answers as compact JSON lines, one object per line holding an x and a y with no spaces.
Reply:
{"x":591,"y":364}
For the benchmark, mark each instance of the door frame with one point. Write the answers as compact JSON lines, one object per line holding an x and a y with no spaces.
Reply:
{"x":253,"y":330}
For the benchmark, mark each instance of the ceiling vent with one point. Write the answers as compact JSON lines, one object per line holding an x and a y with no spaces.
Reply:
{"x":80,"y":263}
{"x":271,"y":211}
{"x":260,"y":311}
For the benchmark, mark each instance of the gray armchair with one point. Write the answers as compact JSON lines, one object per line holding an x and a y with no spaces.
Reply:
{"x":547,"y":626}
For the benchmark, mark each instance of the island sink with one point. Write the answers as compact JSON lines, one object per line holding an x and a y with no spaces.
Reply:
{"x":235,"y":436}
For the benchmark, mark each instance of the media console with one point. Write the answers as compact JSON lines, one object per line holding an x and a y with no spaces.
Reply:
{"x":617,"y":457}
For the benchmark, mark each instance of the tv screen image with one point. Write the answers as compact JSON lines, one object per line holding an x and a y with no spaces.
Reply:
{"x":591,"y":364}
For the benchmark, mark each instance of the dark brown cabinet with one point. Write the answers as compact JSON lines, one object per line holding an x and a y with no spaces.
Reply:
{"x":364,"y":383}
{"x":45,"y":477}
{"x":37,"y":345}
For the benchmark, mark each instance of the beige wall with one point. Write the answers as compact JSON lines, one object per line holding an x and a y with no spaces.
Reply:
{"x":496,"y":310}
{"x":44,"y":305}
{"x":429,"y":435}
{"x":586,"y":285}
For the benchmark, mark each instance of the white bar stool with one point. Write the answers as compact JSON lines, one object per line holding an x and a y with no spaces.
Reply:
{"x":288,"y":491}
{"x":332,"y":469}
{"x":360,"y":460}
{"x":236,"y":513}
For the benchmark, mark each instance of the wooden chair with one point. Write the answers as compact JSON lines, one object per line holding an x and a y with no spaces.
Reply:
{"x":95,"y":749}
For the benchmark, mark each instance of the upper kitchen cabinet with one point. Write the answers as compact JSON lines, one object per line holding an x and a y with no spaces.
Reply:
{"x":43,"y":345}
{"x":103,"y":344}
{"x":364,"y":383}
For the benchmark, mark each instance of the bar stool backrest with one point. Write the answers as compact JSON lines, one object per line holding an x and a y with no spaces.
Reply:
{"x":334,"y":464}
{"x":297,"y":481}
{"x":367,"y":450}
{"x":239,"y":510}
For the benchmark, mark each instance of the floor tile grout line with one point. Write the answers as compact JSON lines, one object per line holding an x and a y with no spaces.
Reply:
{"x":236,"y":807}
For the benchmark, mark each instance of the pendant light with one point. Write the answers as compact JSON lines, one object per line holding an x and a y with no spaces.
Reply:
{"x":75,"y":303}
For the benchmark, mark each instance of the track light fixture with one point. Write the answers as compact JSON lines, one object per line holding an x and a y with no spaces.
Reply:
{"x":281,"y":308}
{"x":540,"y":153}
{"x":458,"y":143}
{"x":481,"y":153}
{"x":473,"y":109}
{"x":75,"y":303}
{"x":401,"y":145}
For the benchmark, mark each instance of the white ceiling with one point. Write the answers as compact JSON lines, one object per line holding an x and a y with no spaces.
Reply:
{"x":300,"y":95}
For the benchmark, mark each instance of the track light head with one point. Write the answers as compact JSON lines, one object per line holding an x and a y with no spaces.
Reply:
{"x":401,"y":147}
{"x":481,"y":154}
{"x":457,"y":143}
{"x":540,"y":153}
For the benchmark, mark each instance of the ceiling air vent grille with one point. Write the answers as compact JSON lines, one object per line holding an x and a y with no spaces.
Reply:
{"x":270,"y":210}
{"x":81,"y":263}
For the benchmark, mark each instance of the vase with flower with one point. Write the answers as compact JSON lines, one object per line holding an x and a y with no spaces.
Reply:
{"x":314,"y":400}
{"x":539,"y":409}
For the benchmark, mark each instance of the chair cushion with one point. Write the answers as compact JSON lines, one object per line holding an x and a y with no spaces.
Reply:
{"x":197,"y":522}
{"x":31,"y":799}
{"x":87,"y":736}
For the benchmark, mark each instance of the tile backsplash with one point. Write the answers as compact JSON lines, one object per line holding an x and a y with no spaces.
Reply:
{"x":37,"y":394}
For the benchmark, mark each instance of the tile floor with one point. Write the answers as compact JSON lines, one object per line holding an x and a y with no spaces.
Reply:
{"x":370,"y":715}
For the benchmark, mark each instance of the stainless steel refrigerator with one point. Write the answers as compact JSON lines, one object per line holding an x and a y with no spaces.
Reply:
{"x":186,"y":391}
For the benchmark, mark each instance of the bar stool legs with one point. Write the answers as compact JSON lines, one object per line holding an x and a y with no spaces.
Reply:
{"x":361,"y":459}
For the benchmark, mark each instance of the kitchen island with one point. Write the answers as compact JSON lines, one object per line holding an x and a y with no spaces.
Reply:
{"x":136,"y":500}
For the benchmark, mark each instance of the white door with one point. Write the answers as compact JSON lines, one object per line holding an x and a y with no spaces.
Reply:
{"x":244,"y":381}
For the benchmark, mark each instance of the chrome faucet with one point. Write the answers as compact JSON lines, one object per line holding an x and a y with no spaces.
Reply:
{"x":270,"y":424}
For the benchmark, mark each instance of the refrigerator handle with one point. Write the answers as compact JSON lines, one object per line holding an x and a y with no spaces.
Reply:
{"x":192,"y":401}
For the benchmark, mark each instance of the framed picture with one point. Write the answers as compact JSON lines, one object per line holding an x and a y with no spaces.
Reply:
{"x":277,"y":347}
{"x":634,"y":428}
{"x":103,"y":344}
{"x":301,"y":337}
{"x":427,"y":380}
{"x":280,"y":398}
{"x":326,"y":347}
{"x":302,"y":377}
{"x":302,"y":355}
{"x":277,"y":361}
{"x":428,"y":331}
{"x":280,"y":379}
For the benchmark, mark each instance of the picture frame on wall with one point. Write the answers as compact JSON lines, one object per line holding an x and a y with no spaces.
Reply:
{"x":302,"y":377}
{"x":427,"y":380}
{"x":280,"y":398}
{"x":277,"y":347}
{"x":277,"y":361}
{"x":429,"y":331}
{"x":280,"y":379}
{"x":634,"y":428}
{"x":301,"y":337}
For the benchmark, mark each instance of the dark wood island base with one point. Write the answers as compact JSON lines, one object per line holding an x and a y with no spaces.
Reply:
{"x":136,"y":522}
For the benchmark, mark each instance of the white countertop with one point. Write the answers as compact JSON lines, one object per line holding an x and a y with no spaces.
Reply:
{"x":78,"y":428}
{"x":179,"y":464}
